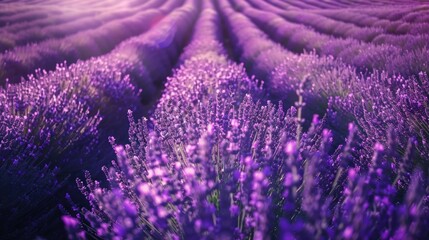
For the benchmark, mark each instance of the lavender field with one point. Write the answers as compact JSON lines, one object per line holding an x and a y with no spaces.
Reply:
{"x":214,"y":119}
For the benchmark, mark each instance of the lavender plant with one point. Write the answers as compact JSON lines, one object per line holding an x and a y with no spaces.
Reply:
{"x":47,"y":130}
{"x":401,"y":109}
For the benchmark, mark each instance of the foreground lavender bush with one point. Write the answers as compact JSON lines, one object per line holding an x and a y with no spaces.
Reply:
{"x":239,"y":169}
{"x":235,"y":182}
{"x":49,"y":125}
{"x":380,"y":104}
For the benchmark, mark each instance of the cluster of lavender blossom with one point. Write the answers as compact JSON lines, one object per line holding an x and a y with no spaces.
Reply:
{"x":218,"y":159}
{"x":50,"y":124}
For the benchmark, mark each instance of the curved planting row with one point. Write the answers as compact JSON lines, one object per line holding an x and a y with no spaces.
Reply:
{"x":393,"y":27}
{"x":322,"y":24}
{"x":399,"y":14}
{"x":311,"y":5}
{"x":71,"y":15}
{"x":82,"y":45}
{"x":281,"y":4}
{"x":27,"y":16}
{"x":340,"y":29}
{"x":37,"y":34}
{"x":363,"y":3}
{"x":19,"y":13}
{"x":417,"y":17}
{"x":67,"y":7}
{"x":55,"y":124}
{"x":299,"y":4}
{"x":361,"y":55}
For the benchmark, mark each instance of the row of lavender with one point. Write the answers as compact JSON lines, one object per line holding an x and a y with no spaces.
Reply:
{"x":218,"y":159}
{"x":62,"y":25}
{"x":23,"y":23}
{"x":341,"y":4}
{"x":341,"y":29}
{"x":403,"y":54}
{"x":55,"y":124}
{"x":365,"y":48}
{"x":83,"y":45}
